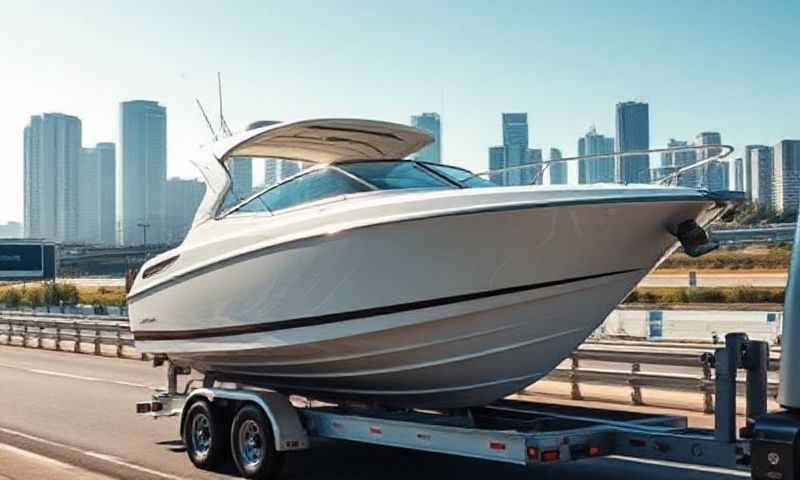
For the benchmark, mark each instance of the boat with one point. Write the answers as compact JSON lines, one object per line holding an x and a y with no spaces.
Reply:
{"x":376,"y":278}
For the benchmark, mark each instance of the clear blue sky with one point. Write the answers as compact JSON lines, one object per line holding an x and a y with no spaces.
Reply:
{"x":727,"y":66}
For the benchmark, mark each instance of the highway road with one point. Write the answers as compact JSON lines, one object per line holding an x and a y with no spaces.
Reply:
{"x":75,"y":414}
{"x":717,"y":279}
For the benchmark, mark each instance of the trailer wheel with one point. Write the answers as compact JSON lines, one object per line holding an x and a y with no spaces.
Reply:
{"x":204,"y":435}
{"x":253,"y":445}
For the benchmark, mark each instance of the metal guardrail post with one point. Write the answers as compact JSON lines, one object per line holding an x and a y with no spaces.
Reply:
{"x":10,"y":332}
{"x":119,"y":343}
{"x":39,"y":336}
{"x":707,"y":383}
{"x":77,"y":347}
{"x":575,"y":389}
{"x":25,"y":335}
{"x":58,"y":337}
{"x":636,"y":394}
{"x":97,"y":348}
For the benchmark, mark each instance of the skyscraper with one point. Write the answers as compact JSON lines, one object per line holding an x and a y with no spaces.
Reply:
{"x":738,"y":175}
{"x":184,"y":198}
{"x":749,"y":175}
{"x":633,"y":133}
{"x":497,"y":160}
{"x":761,"y":168}
{"x":141,"y":172}
{"x":710,"y":175}
{"x":558,"y":170}
{"x":241,"y":170}
{"x":107,"y":196}
{"x":530,"y":176}
{"x":96,"y":198}
{"x":88,"y":204}
{"x":786,"y":183}
{"x":596,"y":170}
{"x":515,"y":143}
{"x":718,"y":176}
{"x":671,"y":162}
{"x":271,"y":171}
{"x":52,"y":149}
{"x":431,"y":123}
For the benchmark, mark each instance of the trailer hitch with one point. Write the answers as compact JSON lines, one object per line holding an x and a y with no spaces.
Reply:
{"x":694,"y":239}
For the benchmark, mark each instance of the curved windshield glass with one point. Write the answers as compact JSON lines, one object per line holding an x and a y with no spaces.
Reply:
{"x":460,"y":175}
{"x":390,"y":175}
{"x":314,"y":185}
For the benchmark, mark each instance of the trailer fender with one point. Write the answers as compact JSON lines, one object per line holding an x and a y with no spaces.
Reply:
{"x":286,"y":426}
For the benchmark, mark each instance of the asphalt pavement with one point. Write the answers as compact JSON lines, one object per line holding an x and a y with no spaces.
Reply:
{"x":77,"y":412}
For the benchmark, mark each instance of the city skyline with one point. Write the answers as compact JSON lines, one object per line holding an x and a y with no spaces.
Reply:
{"x":564,"y":85}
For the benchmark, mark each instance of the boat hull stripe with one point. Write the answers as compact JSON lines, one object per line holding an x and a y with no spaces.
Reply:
{"x":153,"y":335}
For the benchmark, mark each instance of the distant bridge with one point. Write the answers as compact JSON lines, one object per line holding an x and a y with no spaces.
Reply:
{"x":94,"y":260}
{"x":782,"y":232}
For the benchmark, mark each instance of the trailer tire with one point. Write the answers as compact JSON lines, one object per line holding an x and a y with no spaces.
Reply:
{"x":204,"y":435}
{"x":253,"y":445}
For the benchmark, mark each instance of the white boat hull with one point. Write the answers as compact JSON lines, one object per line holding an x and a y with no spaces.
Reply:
{"x":441,"y":311}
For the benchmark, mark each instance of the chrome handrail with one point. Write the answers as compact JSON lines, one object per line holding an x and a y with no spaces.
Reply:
{"x":726,"y":150}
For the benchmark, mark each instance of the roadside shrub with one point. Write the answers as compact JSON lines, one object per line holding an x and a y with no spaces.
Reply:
{"x":11,"y":297}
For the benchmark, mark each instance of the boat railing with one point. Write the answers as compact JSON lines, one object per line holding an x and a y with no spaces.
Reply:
{"x":671,"y":178}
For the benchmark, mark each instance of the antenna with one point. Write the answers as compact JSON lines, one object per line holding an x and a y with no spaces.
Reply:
{"x":223,"y":125}
{"x":208,"y":122}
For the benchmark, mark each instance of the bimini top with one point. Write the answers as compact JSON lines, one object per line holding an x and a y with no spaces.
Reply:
{"x":316,"y":141}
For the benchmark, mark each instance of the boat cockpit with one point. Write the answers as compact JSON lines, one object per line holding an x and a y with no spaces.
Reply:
{"x":351,"y":177}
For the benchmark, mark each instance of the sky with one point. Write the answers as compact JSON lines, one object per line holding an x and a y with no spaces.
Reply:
{"x":732,"y":67}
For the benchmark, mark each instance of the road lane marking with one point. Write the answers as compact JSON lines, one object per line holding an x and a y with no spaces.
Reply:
{"x":77,"y":377}
{"x":35,"y":457}
{"x":119,"y":461}
{"x":685,"y":466}
{"x":89,"y":453}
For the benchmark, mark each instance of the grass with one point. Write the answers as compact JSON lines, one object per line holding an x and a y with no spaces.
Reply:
{"x":37,"y":294}
{"x":757,"y":257}
{"x":717,"y":295}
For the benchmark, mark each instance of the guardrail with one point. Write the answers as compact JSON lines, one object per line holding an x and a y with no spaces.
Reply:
{"x":30,"y":329}
{"x":653,"y":354}
{"x":79,"y":330}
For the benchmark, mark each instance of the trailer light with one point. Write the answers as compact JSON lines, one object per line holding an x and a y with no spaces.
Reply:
{"x":533,"y":453}
{"x":143,"y":407}
{"x":375,"y":430}
{"x":594,"y":451}
{"x":550,"y":456}
{"x":497,"y":445}
{"x":156,"y":407}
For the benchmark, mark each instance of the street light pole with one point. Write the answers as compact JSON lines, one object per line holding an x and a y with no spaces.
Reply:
{"x":144,"y":226}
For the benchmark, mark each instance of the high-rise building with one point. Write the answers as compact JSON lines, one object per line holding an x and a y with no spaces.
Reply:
{"x":431,"y":123}
{"x":271,"y":171}
{"x":633,"y":133}
{"x":290,"y":167}
{"x":710,"y":175}
{"x":241,"y":170}
{"x":106,"y":153}
{"x":761,"y":169}
{"x":88,"y":204}
{"x":558,"y":170}
{"x":530,"y":176}
{"x":786,"y":182}
{"x":516,"y":142}
{"x":738,"y":175}
{"x":96,"y":197}
{"x":718,"y":176}
{"x":184,"y":198}
{"x":11,"y":230}
{"x":595,"y":170}
{"x":671,"y":162}
{"x":497,"y":161}
{"x":141,"y":173}
{"x":750,"y":177}
{"x":52,"y":149}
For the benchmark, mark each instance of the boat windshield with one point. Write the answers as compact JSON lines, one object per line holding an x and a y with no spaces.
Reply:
{"x":396,"y":174}
{"x":460,"y":175}
{"x":317,"y":184}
